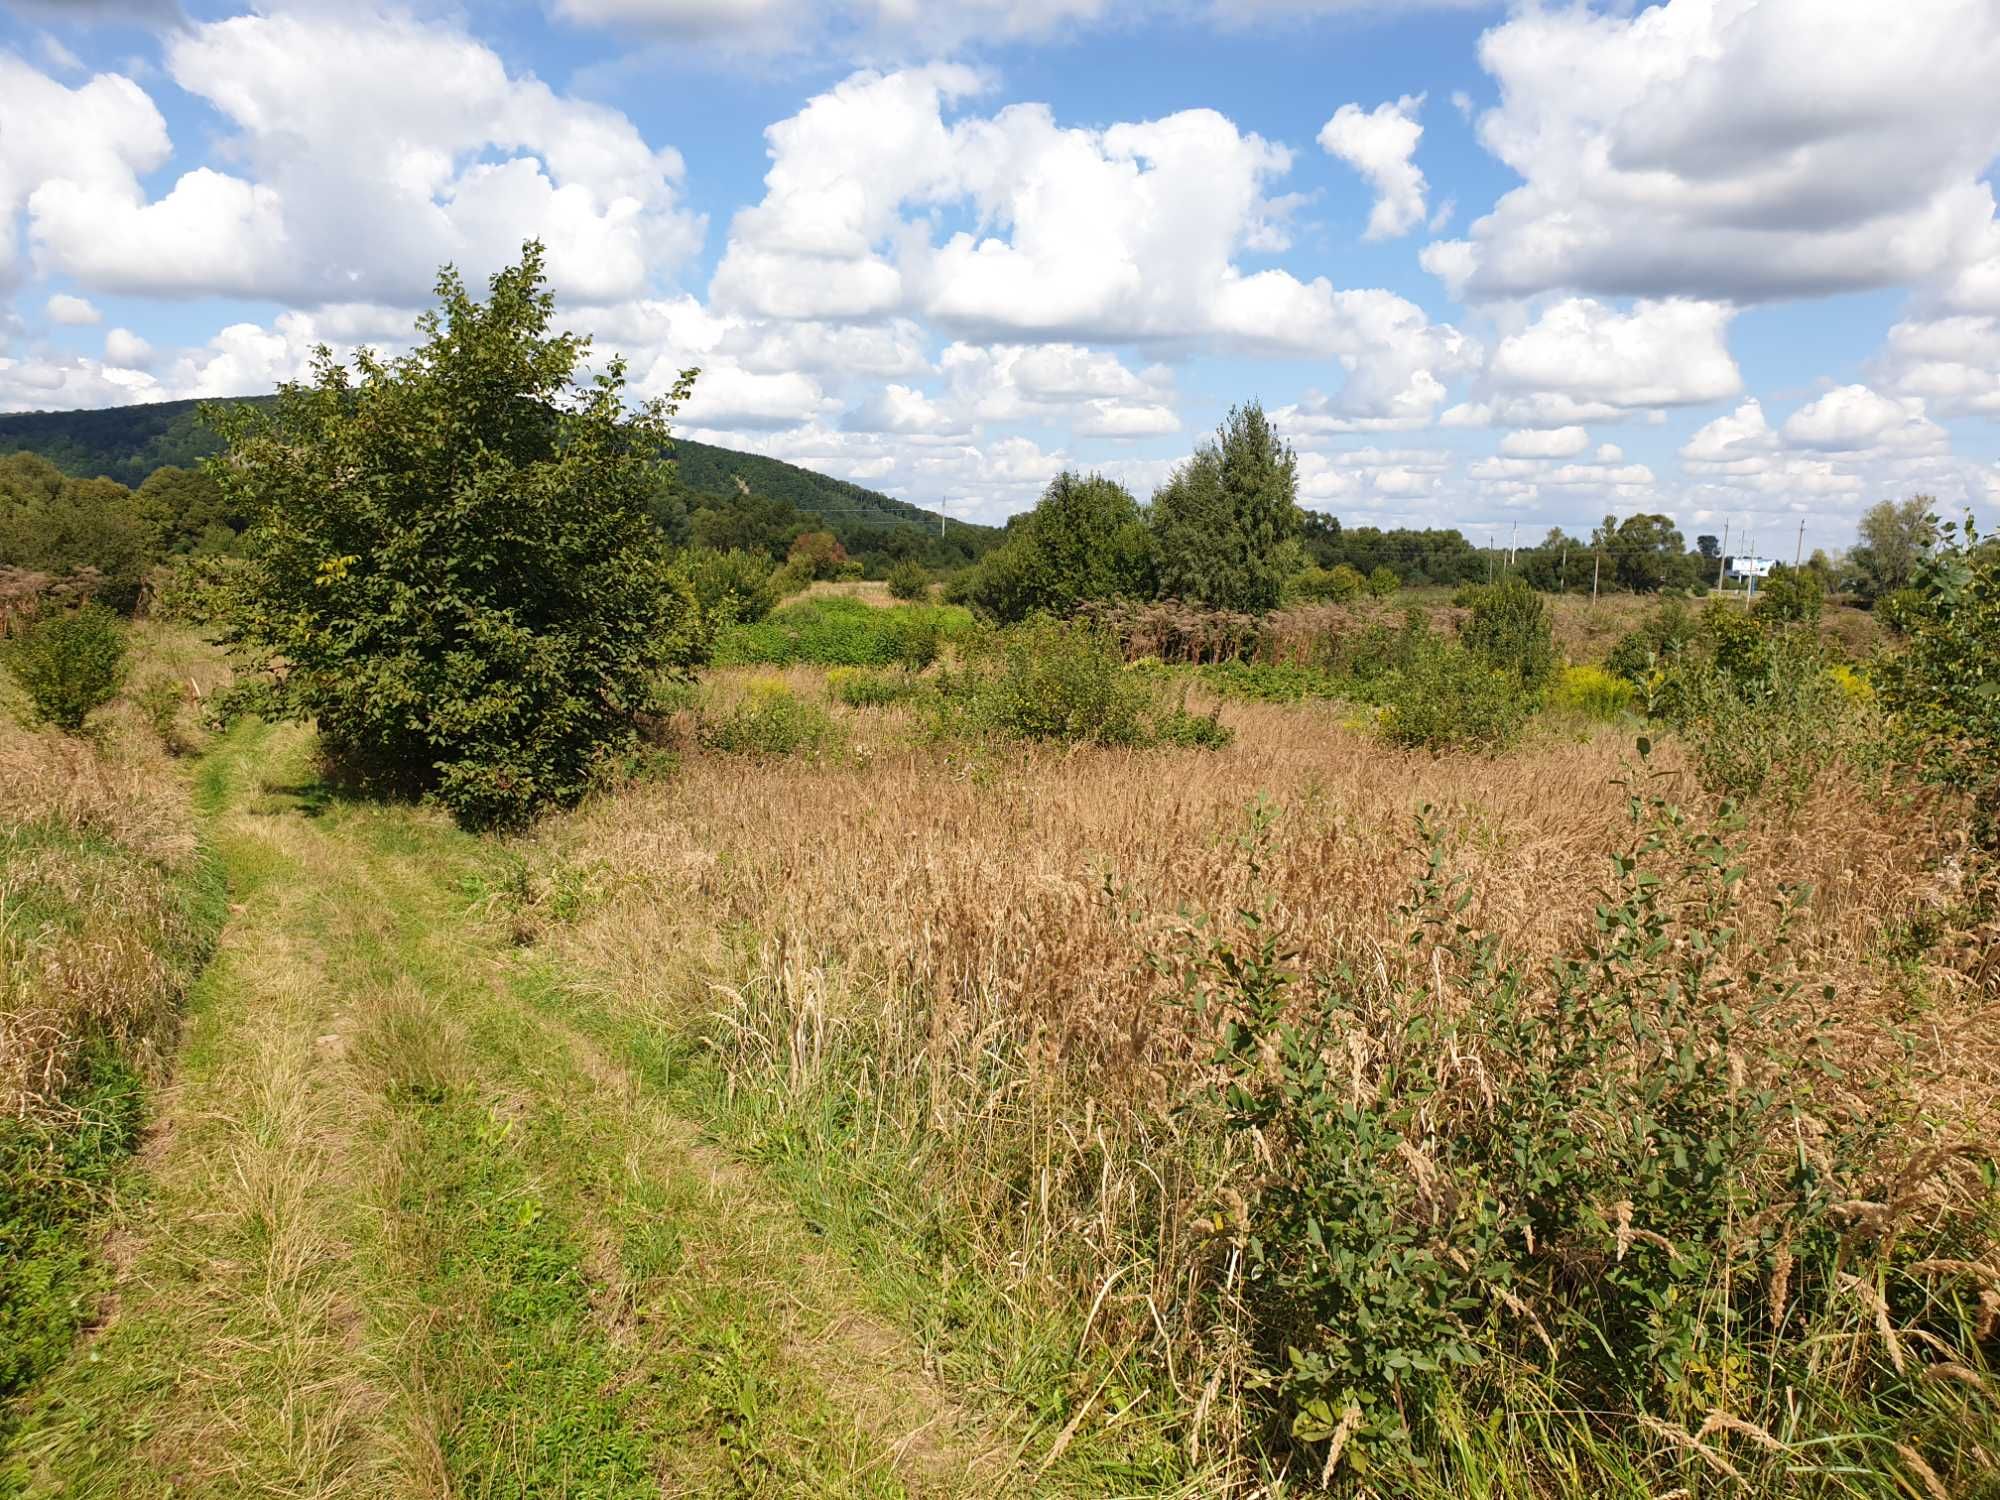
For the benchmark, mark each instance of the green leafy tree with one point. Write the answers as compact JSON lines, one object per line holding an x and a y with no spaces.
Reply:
{"x":1645,"y":553}
{"x":54,"y":524}
{"x":816,"y":554}
{"x":1382,"y":582}
{"x":68,"y":662}
{"x":1083,"y":540}
{"x":451,"y":564}
{"x":1221,"y":523}
{"x":1895,"y":540}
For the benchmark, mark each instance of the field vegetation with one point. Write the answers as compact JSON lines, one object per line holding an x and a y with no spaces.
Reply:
{"x":1185,"y":1015}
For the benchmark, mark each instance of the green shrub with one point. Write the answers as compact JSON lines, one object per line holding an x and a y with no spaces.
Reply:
{"x":909,"y":580}
{"x":1943,"y":689}
{"x":863,"y":687}
{"x":1792,"y":596}
{"x":68,"y":662}
{"x":1066,"y":681}
{"x":1269,"y":681}
{"x":1340,"y":585}
{"x":1594,"y":693}
{"x":838,"y":632}
{"x":1383,"y":582}
{"x":1769,"y":734}
{"x":1510,"y":630}
{"x":1449,"y":699}
{"x":1622,"y":1211}
{"x":772,"y":721}
{"x":1664,"y":633}
{"x":453,"y":566}
{"x":731,"y":588}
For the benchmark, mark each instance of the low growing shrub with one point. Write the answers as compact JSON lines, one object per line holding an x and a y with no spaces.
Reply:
{"x":1065,"y":681}
{"x":863,"y":687}
{"x":1447,"y":698}
{"x":69,"y":663}
{"x":772,"y":721}
{"x":910,"y":581}
{"x":1629,"y":1178}
{"x":844,"y":633}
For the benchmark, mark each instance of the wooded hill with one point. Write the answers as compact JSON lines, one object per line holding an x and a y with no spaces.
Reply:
{"x":773,"y":502}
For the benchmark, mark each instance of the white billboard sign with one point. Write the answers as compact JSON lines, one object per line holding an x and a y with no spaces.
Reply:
{"x":1750,"y":567}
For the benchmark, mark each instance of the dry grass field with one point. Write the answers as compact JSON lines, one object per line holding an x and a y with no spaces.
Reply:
{"x":851,"y":1111}
{"x":938,"y":979}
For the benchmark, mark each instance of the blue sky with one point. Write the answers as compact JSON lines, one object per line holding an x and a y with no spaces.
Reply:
{"x":1492,"y":266}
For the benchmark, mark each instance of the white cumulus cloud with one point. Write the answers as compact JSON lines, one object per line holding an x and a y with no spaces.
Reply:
{"x":1381,"y":145}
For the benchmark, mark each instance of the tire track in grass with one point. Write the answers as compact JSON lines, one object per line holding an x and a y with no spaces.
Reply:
{"x":410,"y":1234}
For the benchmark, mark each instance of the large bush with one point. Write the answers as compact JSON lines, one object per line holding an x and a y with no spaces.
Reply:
{"x":1447,"y":698}
{"x":1083,"y":541}
{"x":733,"y":587}
{"x":1510,"y":630}
{"x":452,"y":565}
{"x":68,"y":662}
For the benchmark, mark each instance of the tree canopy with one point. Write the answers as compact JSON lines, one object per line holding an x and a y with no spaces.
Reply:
{"x":451,"y":561}
{"x":1225,"y":526}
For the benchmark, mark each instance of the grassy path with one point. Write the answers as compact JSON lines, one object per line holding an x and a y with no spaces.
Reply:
{"x":407,"y":1229}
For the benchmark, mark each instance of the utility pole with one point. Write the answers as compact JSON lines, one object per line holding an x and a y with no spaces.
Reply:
{"x":1596,"y":562}
{"x":941,"y":505}
{"x":1564,"y":589}
{"x":1800,"y":551}
{"x":1513,"y":535}
{"x":1723,"y":561}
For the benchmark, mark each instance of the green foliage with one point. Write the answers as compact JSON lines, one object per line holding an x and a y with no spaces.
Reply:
{"x":909,"y":581}
{"x":1621,"y":1206}
{"x":730,"y":588}
{"x":1943,"y":688}
{"x":1270,"y":681}
{"x":69,"y":662}
{"x":772,"y":721}
{"x":1336,"y":585}
{"x":159,"y":701}
{"x":1762,"y":716}
{"x":837,"y":632}
{"x":1792,"y":596}
{"x":816,"y":555}
{"x":863,"y":687}
{"x":1593,"y":692}
{"x":53,"y":1178}
{"x":1511,"y":630}
{"x":1448,"y":698}
{"x":1382,"y":581}
{"x":1220,"y":525}
{"x":1083,"y":541}
{"x":1065,"y":681}
{"x":1896,"y":538}
{"x":453,"y":556}
{"x":1416,"y":557}
{"x":1664,"y":634}
{"x":1645,"y":553}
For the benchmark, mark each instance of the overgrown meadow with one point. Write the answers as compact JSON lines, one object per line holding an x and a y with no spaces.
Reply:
{"x":1255,"y":1027}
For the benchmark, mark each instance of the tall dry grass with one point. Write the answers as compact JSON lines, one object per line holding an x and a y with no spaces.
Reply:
{"x":102,"y":918}
{"x":964,"y":947}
